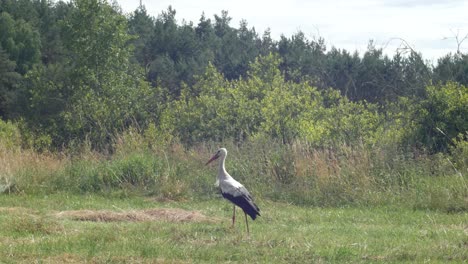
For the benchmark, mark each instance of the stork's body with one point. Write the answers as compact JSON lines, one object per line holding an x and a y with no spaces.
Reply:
{"x":233,"y":190}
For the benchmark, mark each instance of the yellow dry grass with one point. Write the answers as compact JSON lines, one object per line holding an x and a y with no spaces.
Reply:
{"x":15,"y":161}
{"x":159,"y":214}
{"x":75,"y":258}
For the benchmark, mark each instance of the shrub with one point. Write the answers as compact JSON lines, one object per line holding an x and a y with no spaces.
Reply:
{"x":459,"y":153}
{"x":10,"y":136}
{"x":442,"y":116}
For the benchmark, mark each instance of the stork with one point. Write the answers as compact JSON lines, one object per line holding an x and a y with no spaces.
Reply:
{"x":234,"y":191}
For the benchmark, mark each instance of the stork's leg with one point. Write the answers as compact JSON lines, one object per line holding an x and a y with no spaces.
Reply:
{"x":233,"y":215}
{"x":247,"y":224}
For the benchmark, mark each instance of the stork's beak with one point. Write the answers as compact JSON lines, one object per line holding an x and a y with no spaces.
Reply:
{"x":212,"y":158}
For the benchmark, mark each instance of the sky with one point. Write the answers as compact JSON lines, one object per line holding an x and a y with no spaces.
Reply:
{"x":427,"y":26}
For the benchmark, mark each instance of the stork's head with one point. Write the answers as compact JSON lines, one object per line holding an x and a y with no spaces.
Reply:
{"x":222,"y":152}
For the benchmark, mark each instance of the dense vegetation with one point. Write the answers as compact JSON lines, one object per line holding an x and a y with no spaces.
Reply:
{"x":92,"y":99}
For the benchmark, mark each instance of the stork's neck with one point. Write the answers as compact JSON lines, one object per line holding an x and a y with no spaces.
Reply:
{"x":222,"y":173}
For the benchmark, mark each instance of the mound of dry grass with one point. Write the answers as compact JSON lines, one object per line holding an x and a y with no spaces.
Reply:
{"x":166,"y":214}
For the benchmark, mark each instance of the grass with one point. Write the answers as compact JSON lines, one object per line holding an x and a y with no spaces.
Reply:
{"x":344,"y":176}
{"x":30,"y":231}
{"x":346,"y":204}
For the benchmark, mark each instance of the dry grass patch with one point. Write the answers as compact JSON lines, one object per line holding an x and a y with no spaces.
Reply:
{"x":74,"y":258}
{"x":156,"y":214}
{"x":17,"y":210}
{"x":166,"y":214}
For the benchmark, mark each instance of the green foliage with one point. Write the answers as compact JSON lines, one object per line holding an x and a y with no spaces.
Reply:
{"x":264,"y":105}
{"x":237,"y":49}
{"x":335,"y":120}
{"x":20,"y":40}
{"x":209,"y":81}
{"x":452,"y":67}
{"x":9,"y":80}
{"x":302,"y":59}
{"x":442,"y":116}
{"x":141,"y":25}
{"x":96,"y":36}
{"x":10,"y":136}
{"x":459,"y":153}
{"x":398,"y":123}
{"x":100,"y":92}
{"x":195,"y":118}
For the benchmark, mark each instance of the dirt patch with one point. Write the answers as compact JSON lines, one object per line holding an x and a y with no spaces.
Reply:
{"x":167,"y":214}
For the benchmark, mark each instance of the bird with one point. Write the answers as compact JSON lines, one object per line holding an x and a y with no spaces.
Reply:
{"x":233,"y":190}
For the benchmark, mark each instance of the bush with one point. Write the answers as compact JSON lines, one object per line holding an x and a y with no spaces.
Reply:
{"x":442,"y":116}
{"x":264,"y":105}
{"x":459,"y":153}
{"x":10,"y":136}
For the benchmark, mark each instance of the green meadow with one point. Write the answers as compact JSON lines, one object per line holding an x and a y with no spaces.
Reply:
{"x":32,"y":231}
{"x":143,"y":206}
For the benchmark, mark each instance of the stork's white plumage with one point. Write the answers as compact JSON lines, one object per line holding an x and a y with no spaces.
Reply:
{"x":233,"y":190}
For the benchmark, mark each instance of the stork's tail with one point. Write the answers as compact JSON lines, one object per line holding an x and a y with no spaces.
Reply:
{"x":252,"y":210}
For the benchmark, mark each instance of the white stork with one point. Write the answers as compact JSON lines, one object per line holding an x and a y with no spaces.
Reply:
{"x":233,"y":190}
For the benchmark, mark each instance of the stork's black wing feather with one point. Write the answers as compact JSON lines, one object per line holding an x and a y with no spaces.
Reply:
{"x":242,"y":198}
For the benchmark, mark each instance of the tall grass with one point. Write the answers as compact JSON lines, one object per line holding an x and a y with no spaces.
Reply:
{"x":25,"y":170}
{"x":295,"y":173}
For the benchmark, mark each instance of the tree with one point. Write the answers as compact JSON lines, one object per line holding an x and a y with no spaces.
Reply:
{"x":341,"y":71}
{"x":267,"y":44}
{"x":98,"y":92}
{"x":9,"y":80}
{"x":302,"y":59}
{"x":141,"y":25}
{"x":237,"y":48}
{"x":21,"y":41}
{"x":371,"y":75}
{"x":452,"y":67}
{"x":50,"y":26}
{"x":207,"y":40}
{"x":176,"y":54}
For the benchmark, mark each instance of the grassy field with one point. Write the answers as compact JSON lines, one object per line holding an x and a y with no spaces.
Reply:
{"x":63,"y":228}
{"x":146,"y":205}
